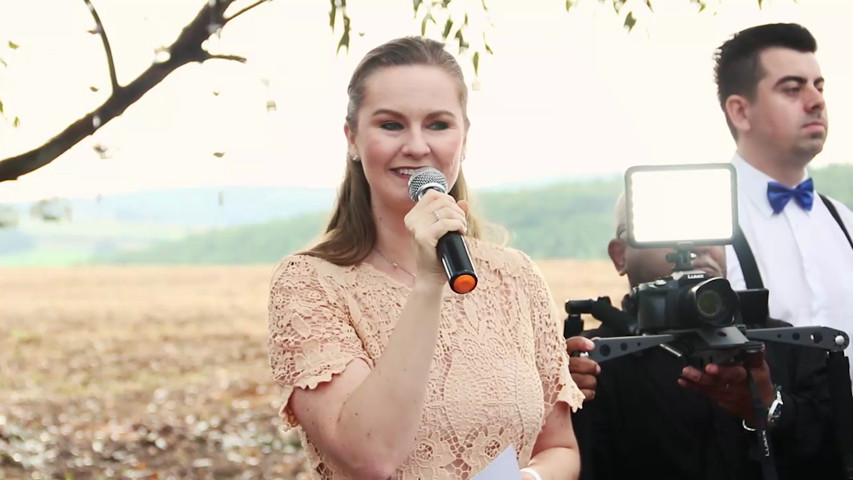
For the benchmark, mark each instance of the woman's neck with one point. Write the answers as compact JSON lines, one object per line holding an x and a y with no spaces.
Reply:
{"x":393,"y":239}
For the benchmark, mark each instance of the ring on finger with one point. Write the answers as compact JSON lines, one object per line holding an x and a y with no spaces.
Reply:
{"x":435,"y":214}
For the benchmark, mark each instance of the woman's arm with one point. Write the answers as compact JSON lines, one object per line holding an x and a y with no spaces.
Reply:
{"x":555,"y":453}
{"x":367,"y":419}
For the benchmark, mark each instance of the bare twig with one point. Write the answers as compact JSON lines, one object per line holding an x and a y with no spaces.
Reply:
{"x":185,"y":49}
{"x":235,"y":58}
{"x":103,"y":34}
{"x":244,"y":10}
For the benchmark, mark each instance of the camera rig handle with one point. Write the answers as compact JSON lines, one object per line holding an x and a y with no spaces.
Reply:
{"x":826,"y":338}
{"x":829,"y":339}
{"x":615,"y":347}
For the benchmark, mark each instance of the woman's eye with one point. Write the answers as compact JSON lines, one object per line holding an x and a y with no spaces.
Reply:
{"x":391,"y":126}
{"x":438,"y":125}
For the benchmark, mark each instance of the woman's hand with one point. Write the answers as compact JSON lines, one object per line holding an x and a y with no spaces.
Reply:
{"x":431,"y":217}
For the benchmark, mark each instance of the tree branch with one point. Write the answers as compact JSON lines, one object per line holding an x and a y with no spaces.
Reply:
{"x":244,"y":10}
{"x":185,"y":49}
{"x":236,"y":58}
{"x":103,"y":34}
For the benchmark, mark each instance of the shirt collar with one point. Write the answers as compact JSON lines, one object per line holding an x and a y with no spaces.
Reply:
{"x":752,"y":184}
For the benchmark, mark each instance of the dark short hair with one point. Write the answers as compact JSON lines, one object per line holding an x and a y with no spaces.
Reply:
{"x":737,"y":69}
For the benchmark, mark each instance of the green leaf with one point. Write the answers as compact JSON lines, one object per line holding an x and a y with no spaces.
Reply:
{"x":345,"y":37}
{"x":649,"y":4}
{"x":332,"y":14}
{"x":447,"y":27}
{"x":759,"y":3}
{"x":1,"y":106}
{"x":630,"y":21}
{"x":702,"y":4}
{"x":13,"y":45}
{"x":488,"y":48}
{"x":3,"y":62}
{"x":462,"y":43}
{"x":416,"y":4}
{"x":569,"y":5}
{"x":476,"y":61}
{"x":16,"y":121}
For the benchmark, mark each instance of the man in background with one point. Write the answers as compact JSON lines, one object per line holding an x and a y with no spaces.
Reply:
{"x":794,"y":242}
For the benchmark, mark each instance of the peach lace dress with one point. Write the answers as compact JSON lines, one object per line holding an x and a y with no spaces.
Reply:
{"x":499,"y":367}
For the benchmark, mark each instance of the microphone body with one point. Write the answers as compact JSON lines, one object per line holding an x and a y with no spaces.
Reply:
{"x":451,"y":248}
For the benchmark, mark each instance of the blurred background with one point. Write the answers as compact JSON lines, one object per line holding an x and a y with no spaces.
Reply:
{"x":134,"y":267}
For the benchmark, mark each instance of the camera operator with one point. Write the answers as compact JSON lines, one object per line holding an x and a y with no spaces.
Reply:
{"x":653,"y":415}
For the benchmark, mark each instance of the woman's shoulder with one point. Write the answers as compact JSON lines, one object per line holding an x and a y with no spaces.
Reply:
{"x":497,"y":256}
{"x":300,"y":267}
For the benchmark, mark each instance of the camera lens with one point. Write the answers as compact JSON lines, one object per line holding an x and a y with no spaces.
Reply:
{"x":709,"y":303}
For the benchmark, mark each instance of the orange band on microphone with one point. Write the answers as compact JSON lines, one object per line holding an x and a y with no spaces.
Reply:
{"x":464,"y":283}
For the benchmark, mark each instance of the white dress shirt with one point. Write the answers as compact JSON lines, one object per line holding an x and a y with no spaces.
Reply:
{"x":804,"y":258}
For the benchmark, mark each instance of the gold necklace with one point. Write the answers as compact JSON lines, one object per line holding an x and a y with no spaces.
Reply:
{"x":395,"y":264}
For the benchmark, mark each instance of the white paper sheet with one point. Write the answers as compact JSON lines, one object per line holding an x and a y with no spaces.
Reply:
{"x":503,"y":467}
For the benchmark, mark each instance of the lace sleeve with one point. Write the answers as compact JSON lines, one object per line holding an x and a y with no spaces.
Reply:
{"x":551,"y":357}
{"x":310,"y":334}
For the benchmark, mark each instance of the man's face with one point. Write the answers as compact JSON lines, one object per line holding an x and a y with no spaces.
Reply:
{"x":643,"y":265}
{"x":787,"y":117}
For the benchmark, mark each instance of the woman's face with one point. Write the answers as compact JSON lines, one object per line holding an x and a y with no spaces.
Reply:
{"x":411,"y":118}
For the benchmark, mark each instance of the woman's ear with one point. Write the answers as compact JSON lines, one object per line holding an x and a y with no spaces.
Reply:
{"x":352,"y":152}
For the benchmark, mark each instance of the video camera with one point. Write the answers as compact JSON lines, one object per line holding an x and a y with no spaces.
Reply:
{"x":689,"y":313}
{"x":692,"y":314}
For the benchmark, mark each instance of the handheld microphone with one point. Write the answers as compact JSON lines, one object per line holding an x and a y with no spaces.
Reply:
{"x":451,"y":246}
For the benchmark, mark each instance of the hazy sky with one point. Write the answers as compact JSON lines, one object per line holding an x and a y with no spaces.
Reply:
{"x":563,"y":95}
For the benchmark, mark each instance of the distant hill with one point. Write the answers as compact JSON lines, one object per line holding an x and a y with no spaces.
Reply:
{"x":132,"y":222}
{"x":562,"y":220}
{"x":567,"y":219}
{"x":206,"y":206}
{"x":262,"y":243}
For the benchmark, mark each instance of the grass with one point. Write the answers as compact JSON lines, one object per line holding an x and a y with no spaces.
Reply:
{"x":158,"y":371}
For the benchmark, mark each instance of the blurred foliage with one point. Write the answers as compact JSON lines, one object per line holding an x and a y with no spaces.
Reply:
{"x":265,"y":242}
{"x":835,"y":180}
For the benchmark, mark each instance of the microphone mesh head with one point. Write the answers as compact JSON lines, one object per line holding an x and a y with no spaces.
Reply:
{"x":423,"y":179}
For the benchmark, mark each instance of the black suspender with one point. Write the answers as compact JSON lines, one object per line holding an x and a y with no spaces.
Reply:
{"x":834,"y":212}
{"x":751,"y":275}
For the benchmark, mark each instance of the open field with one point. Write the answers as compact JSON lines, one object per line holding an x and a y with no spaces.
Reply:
{"x":157,"y":372}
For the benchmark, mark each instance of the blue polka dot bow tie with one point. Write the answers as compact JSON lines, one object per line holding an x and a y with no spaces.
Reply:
{"x":779,"y":195}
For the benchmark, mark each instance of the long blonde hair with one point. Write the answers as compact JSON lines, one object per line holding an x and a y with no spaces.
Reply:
{"x":350,"y":235}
